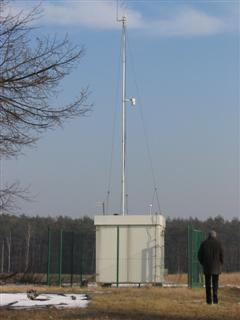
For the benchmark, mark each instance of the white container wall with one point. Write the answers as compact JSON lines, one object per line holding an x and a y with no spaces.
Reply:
{"x":138,"y":256}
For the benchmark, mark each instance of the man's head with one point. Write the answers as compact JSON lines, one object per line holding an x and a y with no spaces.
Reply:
{"x":212,"y":234}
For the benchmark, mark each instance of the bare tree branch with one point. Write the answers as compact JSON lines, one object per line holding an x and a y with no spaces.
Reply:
{"x":9,"y":195}
{"x":30,"y":73}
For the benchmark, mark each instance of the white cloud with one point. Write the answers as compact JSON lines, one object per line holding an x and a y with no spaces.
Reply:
{"x":187,"y":22}
{"x":101,"y":14}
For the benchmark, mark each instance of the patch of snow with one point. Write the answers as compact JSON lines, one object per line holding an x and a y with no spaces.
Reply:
{"x":21,"y":301}
{"x":232,"y":286}
{"x":174,"y":285}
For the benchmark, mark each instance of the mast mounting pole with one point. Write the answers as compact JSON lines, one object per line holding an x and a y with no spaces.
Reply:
{"x":123,"y":20}
{"x":123,"y":144}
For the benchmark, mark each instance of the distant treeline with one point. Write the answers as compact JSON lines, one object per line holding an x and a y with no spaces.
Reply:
{"x":176,"y":241}
{"x":24,"y":243}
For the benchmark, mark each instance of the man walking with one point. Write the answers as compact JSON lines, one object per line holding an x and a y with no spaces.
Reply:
{"x":210,"y":255}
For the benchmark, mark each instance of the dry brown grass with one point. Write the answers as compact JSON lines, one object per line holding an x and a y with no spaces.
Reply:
{"x":225,"y":278}
{"x":230,"y":278}
{"x":135,"y":304}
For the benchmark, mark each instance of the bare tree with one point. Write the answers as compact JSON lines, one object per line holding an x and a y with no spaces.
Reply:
{"x":9,"y":194}
{"x":30,"y":73}
{"x":9,"y":247}
{"x":2,"y":257}
{"x":28,"y":240}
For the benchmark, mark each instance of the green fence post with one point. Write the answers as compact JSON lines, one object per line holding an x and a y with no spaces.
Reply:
{"x":189,"y":256}
{"x":195,"y":238}
{"x":81,"y":259}
{"x":60,"y":258}
{"x":117,"y":256}
{"x":72,"y":251}
{"x":49,"y":258}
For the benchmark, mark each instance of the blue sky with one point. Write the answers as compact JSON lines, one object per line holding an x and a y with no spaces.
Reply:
{"x":183,"y":68}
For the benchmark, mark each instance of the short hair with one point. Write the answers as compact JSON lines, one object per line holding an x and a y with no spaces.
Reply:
{"x":212,"y":234}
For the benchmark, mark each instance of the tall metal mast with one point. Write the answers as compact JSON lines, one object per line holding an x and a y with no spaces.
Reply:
{"x":123,"y":20}
{"x":123,"y":114}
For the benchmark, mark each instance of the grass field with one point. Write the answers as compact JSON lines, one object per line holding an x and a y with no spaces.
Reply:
{"x":136,"y":304}
{"x":225,"y":278}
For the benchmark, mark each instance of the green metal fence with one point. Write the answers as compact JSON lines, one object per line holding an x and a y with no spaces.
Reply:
{"x":195,"y":276}
{"x":71,"y":257}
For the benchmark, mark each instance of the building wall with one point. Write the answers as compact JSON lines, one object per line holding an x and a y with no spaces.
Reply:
{"x":141,"y":248}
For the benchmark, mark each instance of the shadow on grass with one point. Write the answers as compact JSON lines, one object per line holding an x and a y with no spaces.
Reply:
{"x":231,"y":294}
{"x":122,"y":315}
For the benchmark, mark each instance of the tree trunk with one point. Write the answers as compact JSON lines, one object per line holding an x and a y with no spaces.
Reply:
{"x":28,"y":238}
{"x":2,"y":259}
{"x":9,"y":244}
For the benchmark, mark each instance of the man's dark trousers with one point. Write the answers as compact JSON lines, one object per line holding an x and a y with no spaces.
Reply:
{"x":211,"y":281}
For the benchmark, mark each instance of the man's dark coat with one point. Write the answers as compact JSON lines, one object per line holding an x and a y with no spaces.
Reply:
{"x":210,"y":256}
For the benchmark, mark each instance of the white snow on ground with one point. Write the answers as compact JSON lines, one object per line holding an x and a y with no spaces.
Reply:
{"x":21,"y":301}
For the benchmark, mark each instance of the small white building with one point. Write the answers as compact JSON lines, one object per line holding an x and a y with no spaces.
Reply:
{"x":130,"y":248}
